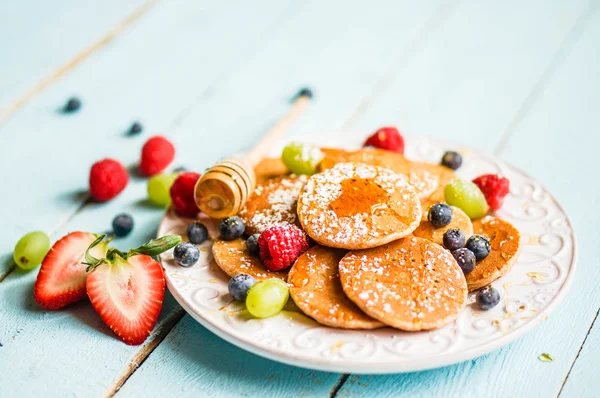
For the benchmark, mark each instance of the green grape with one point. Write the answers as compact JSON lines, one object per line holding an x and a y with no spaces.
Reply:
{"x":466,"y":196}
{"x":301,"y":158}
{"x":31,"y":250}
{"x":267,"y":298}
{"x":158,"y":189}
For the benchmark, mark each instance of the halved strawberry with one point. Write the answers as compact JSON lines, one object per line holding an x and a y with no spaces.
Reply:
{"x":61,"y":280}
{"x":127,"y":289}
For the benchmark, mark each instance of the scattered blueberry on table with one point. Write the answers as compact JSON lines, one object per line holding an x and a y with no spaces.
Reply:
{"x":135,"y":128}
{"x":186,"y":254}
{"x":72,"y":105}
{"x":305,"y":92}
{"x":231,"y":228}
{"x":480,"y":246}
{"x":465,"y":259}
{"x":440,"y":214}
{"x":452,"y":160}
{"x":487,"y":298}
{"x":122,"y":225}
{"x":197,"y":233}
{"x":453,"y":239}
{"x":239,"y":286}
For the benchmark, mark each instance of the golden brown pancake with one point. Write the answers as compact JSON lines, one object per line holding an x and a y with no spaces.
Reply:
{"x":316,"y":289}
{"x":233,"y":258}
{"x":269,"y":168}
{"x":460,"y":221}
{"x":411,"y":284}
{"x":356,"y":206}
{"x":505,"y":241}
{"x":428,"y":179}
{"x":272,"y":203}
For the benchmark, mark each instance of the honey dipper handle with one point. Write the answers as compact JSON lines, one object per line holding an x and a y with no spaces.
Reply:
{"x":260,"y":150}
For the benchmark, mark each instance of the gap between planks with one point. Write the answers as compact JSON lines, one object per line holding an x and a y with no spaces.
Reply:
{"x":538,"y":89}
{"x":435,"y":21}
{"x":578,"y":353}
{"x":140,"y":11}
{"x":338,"y":385}
{"x":60,"y":224}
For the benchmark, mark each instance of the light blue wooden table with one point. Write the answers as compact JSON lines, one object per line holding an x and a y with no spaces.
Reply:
{"x":519,"y":79}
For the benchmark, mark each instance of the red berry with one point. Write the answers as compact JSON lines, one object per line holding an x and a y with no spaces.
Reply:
{"x":157,"y":154}
{"x":107,"y":179}
{"x":281,"y":245}
{"x":494,"y":187}
{"x":387,"y":138}
{"x":182,"y":194}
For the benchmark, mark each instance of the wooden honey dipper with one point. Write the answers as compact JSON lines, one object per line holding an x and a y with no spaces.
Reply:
{"x":224,"y":188}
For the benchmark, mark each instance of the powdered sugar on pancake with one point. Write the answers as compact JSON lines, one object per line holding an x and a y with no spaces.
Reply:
{"x":411,"y":284}
{"x":396,"y":213}
{"x":272,"y":203}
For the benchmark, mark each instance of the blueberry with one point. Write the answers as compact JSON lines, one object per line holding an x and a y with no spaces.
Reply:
{"x":452,"y":160}
{"x":454,"y":239}
{"x":197,"y":233}
{"x":122,"y":225}
{"x":135,"y":128}
{"x":231,"y":228}
{"x":465,"y":259}
{"x":440,"y":214}
{"x":239,"y":286}
{"x":252,"y":245}
{"x":480,"y":246}
{"x":487,"y":298}
{"x":179,"y":169}
{"x":186,"y":254}
{"x":305,"y":92}
{"x":72,"y":105}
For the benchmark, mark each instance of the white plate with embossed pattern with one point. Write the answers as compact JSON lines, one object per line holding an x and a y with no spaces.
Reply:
{"x":530,"y":291}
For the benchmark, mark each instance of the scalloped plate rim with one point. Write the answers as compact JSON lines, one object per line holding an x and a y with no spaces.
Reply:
{"x":385,"y":367}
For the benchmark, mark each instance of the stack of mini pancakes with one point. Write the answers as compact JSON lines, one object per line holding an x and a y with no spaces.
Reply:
{"x":376,"y":261}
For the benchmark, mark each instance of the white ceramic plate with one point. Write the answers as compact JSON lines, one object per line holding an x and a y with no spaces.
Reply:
{"x":532,"y":289}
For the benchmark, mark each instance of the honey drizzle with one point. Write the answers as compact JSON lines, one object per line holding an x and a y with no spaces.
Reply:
{"x":359,"y":196}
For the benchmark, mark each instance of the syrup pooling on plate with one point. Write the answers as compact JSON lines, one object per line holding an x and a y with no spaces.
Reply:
{"x":355,"y":206}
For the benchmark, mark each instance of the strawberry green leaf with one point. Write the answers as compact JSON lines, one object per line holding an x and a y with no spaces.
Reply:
{"x":156,"y":246}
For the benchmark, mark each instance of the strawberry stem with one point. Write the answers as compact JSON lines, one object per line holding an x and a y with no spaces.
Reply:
{"x":153,"y":247}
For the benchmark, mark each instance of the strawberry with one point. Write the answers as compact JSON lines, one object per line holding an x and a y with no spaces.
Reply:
{"x":388,"y":138}
{"x":127,"y":289}
{"x":494,"y":187}
{"x":61,"y":280}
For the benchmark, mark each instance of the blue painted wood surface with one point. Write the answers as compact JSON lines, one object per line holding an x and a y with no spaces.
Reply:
{"x":518,"y":79}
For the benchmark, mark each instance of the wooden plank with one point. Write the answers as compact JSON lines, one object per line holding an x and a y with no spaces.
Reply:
{"x":214,"y":114}
{"x":548,"y":144}
{"x":115,"y":92}
{"x":197,"y":363}
{"x":43,"y":40}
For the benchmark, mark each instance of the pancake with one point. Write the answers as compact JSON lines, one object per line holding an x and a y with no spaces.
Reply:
{"x":233,"y":258}
{"x":272,"y":203}
{"x":428,"y":179}
{"x":356,"y":206}
{"x":505,"y":241}
{"x":411,"y":284}
{"x":460,"y":221}
{"x":316,"y":289}
{"x":269,"y":168}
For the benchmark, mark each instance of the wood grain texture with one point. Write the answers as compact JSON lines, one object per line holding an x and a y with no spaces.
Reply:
{"x":182,"y":72}
{"x":195,"y":363}
{"x":116,"y":86}
{"x":548,"y":144}
{"x":39,"y":37}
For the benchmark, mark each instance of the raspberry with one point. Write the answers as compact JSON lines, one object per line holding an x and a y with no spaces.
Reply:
{"x":107,"y":179}
{"x":157,"y":153}
{"x":387,"y":138}
{"x":182,"y":194}
{"x":281,"y":245}
{"x":494,"y":187}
